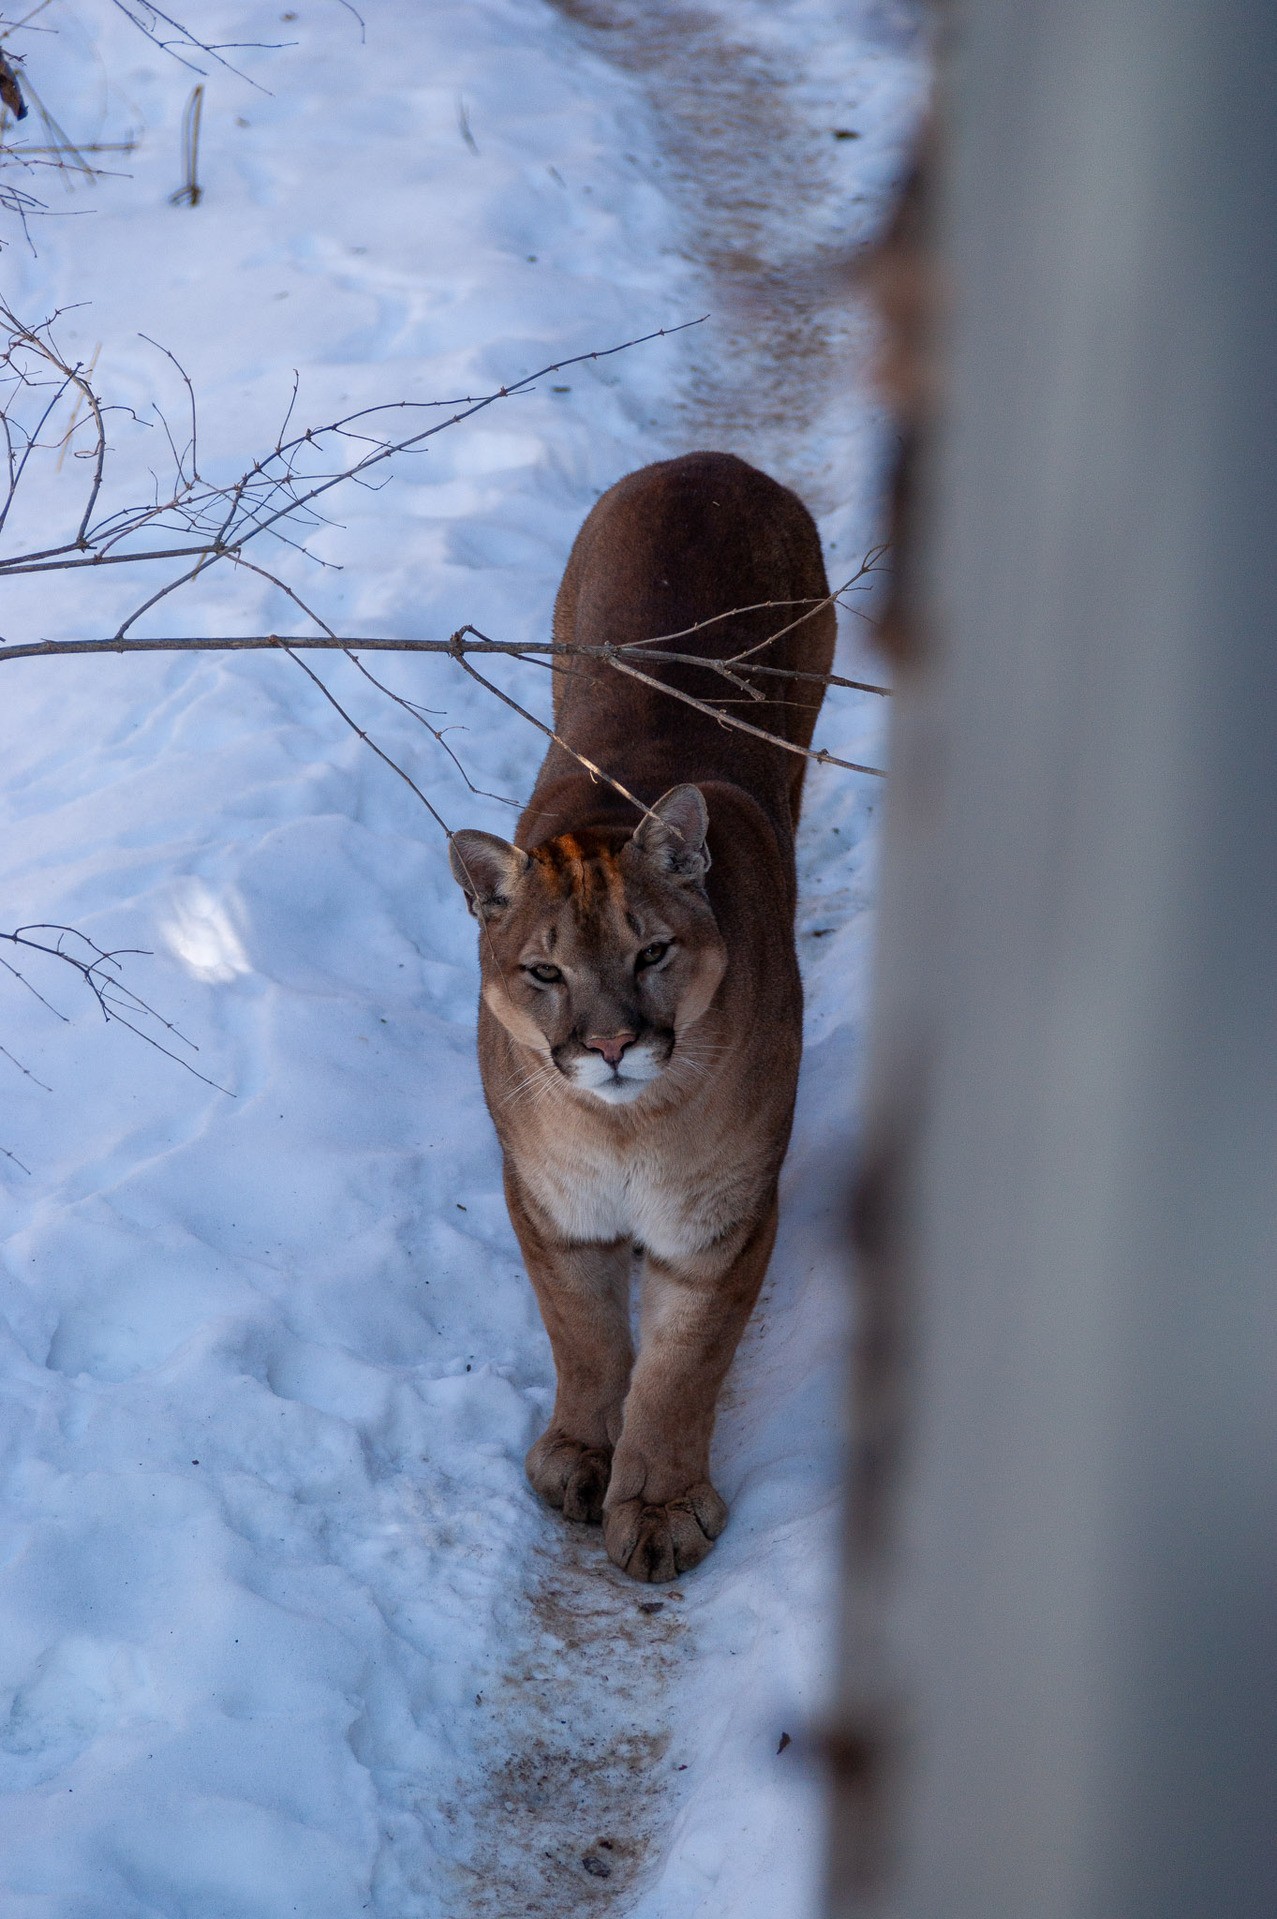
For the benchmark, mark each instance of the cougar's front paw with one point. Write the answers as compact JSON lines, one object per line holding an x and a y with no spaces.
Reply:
{"x":570,"y":1475}
{"x":658,"y":1542}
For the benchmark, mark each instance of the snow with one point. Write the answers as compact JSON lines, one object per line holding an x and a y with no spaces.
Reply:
{"x":282,"y":1629}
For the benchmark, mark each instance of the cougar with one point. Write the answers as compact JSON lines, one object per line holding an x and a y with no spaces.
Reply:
{"x":640,"y":1018}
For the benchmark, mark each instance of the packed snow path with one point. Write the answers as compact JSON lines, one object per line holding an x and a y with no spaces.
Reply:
{"x":281,"y":1628}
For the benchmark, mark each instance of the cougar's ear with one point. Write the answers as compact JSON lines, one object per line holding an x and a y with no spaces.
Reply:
{"x":673,"y":835}
{"x":486,"y":869}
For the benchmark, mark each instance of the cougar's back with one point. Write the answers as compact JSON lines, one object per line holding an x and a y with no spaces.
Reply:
{"x":706,"y":557}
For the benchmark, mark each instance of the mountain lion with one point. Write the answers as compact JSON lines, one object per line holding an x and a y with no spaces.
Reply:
{"x":640,"y":1018}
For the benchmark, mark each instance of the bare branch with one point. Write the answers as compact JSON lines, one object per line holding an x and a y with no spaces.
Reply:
{"x":34,"y":990}
{"x":193,"y":524}
{"x":381,"y":643}
{"x":173,"y":37}
{"x":756,"y":667}
{"x":190,"y":193}
{"x":595,"y":772}
{"x":57,"y":150}
{"x":24,"y":1070}
{"x":367,"y":739}
{"x":196,"y":524}
{"x":818,"y":754}
{"x":418,"y":713}
{"x":99,"y":969}
{"x":468,"y":641}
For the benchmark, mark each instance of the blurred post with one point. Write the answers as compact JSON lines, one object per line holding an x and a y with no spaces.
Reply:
{"x":1060,"y":1691}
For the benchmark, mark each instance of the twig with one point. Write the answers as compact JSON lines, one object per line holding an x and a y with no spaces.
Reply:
{"x":24,"y":1070}
{"x":33,"y":990}
{"x":182,"y":44}
{"x":190,"y":193}
{"x":25,"y":152}
{"x":595,"y":772}
{"x":196,"y":525}
{"x":212,"y":523}
{"x":458,"y":647}
{"x":367,"y":739}
{"x":818,"y":754}
{"x":13,"y":26}
{"x":419,"y":714}
{"x":100,"y":972}
{"x":380,"y":643}
{"x":479,"y":643}
{"x":75,"y":410}
{"x":755,"y":666}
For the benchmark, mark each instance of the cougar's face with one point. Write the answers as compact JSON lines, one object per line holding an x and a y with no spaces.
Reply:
{"x":601,"y":957}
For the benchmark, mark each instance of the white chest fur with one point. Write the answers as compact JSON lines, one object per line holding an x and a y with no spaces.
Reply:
{"x":600,"y":1187}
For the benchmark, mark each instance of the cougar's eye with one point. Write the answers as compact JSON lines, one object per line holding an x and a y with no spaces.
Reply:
{"x":547,"y":974}
{"x":652,"y":955}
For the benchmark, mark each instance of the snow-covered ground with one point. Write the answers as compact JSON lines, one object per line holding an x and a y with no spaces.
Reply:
{"x":282,"y":1629}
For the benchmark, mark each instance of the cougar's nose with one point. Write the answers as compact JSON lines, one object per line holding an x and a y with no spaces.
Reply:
{"x":611,"y":1045}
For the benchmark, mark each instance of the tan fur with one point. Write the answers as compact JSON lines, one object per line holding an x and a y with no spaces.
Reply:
{"x":675,"y":1143}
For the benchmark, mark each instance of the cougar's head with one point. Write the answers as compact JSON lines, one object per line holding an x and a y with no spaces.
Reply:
{"x":599,"y":953}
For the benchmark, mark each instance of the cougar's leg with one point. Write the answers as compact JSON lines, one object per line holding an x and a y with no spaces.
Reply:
{"x":583,"y":1293}
{"x":662,"y":1515}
